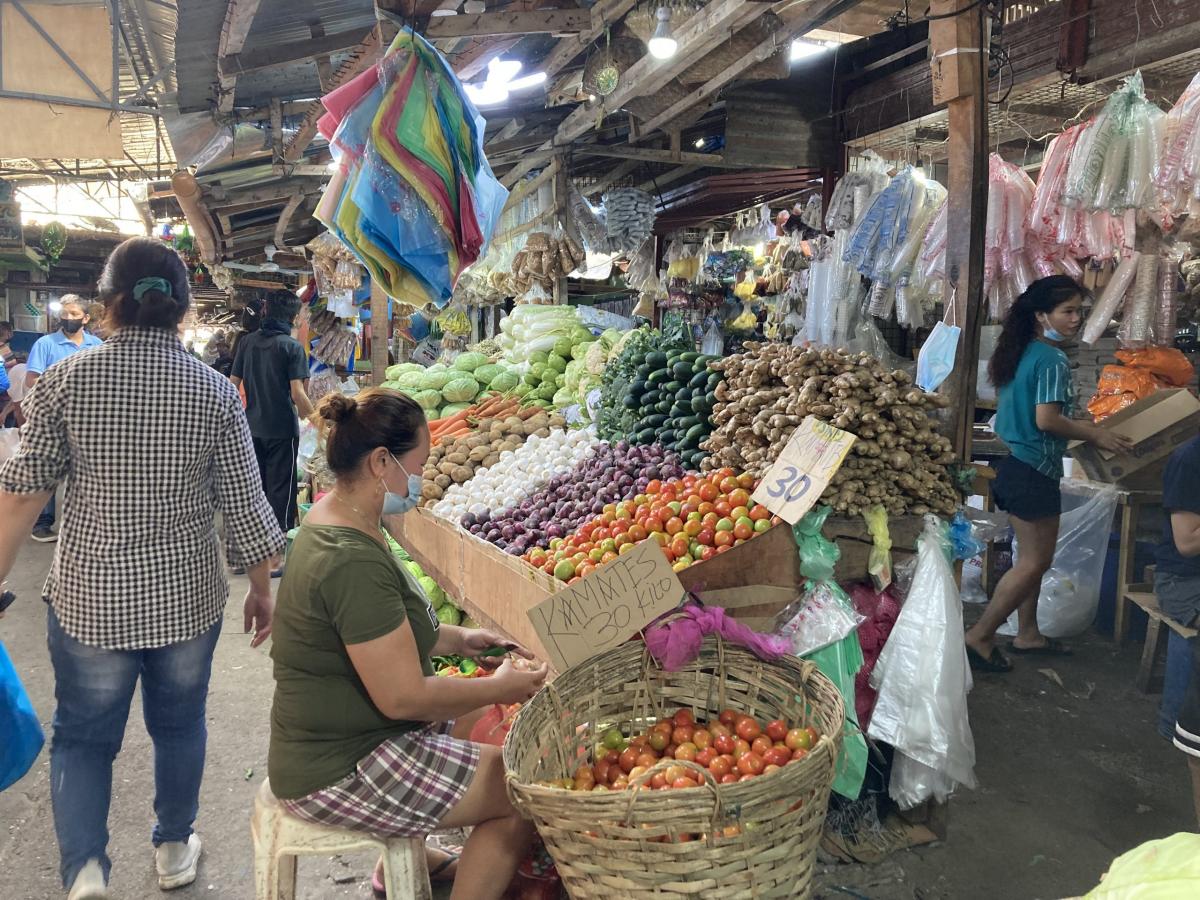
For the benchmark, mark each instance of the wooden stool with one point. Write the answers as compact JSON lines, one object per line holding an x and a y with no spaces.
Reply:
{"x":1143,"y":597}
{"x":280,"y":838}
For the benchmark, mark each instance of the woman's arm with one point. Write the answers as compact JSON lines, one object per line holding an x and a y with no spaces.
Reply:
{"x":450,"y":641}
{"x":1050,"y":419}
{"x":390,"y":668}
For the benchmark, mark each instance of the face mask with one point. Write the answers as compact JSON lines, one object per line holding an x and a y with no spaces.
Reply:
{"x":935,"y":362}
{"x":1051,"y":335}
{"x":397,"y":504}
{"x":72,"y":326}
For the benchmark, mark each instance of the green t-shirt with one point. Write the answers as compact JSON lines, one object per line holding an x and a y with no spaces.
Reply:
{"x":341,"y":587}
{"x":1043,"y":376}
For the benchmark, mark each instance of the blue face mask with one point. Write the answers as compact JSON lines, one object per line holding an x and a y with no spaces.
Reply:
{"x":397,"y":504}
{"x":1051,"y":335}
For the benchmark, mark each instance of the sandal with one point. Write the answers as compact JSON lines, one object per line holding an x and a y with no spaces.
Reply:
{"x":1052,"y":647}
{"x":437,"y":875}
{"x":995,"y":662}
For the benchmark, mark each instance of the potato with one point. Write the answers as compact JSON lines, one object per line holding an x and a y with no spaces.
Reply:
{"x":431,"y":491}
{"x":491,"y":460}
{"x":478,"y":454}
{"x":443,"y":481}
{"x":461,"y":474}
{"x":447,"y":468}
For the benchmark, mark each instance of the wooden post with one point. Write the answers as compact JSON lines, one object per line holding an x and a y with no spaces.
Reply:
{"x":959,"y":61}
{"x":379,"y":333}
{"x":560,"y":213}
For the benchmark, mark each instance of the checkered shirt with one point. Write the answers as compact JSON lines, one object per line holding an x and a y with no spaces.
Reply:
{"x":152,"y":443}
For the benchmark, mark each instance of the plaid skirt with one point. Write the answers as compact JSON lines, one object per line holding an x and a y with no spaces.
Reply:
{"x":403,"y":788}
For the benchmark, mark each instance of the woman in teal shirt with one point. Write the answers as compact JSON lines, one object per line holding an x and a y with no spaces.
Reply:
{"x":1036,"y":400}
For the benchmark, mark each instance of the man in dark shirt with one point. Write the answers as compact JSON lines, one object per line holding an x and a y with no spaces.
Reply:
{"x":1177,"y":584}
{"x":274,"y":369}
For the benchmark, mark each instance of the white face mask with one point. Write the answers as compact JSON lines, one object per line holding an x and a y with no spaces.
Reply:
{"x":397,"y":504}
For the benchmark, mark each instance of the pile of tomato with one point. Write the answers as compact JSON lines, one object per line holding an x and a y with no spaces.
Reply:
{"x":693,"y":518}
{"x":734,"y":748}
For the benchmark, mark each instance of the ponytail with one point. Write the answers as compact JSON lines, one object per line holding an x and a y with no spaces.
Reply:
{"x":1021,"y":327}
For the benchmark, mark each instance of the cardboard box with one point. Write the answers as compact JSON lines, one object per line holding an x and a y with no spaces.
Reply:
{"x":1157,"y":424}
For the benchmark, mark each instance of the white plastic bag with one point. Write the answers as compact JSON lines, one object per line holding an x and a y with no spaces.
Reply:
{"x":713,"y":343}
{"x":816,"y":620}
{"x":923,"y":679}
{"x":307,"y":444}
{"x":10,"y":441}
{"x":1070,"y":592}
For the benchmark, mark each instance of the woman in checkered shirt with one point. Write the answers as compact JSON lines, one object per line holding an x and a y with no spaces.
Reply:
{"x":151,"y":444}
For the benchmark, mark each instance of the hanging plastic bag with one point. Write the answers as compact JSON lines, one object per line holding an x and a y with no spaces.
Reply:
{"x":879,"y":563}
{"x":713,"y":343}
{"x":839,"y":661}
{"x":923,"y":680}
{"x":19,"y":724}
{"x":307,"y":444}
{"x":1070,"y":592}
{"x":935,"y":362}
{"x":816,"y":620}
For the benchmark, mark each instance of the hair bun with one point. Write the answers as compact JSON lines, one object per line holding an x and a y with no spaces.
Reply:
{"x":337,"y":407}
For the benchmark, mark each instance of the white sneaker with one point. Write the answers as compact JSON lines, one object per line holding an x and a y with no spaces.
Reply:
{"x":89,"y":883}
{"x":176,"y":863}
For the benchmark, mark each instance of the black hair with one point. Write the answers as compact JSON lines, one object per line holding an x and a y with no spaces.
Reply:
{"x":7,"y":326}
{"x":1020,"y":325}
{"x":378,"y":417}
{"x":282,"y":306}
{"x":132,"y":261}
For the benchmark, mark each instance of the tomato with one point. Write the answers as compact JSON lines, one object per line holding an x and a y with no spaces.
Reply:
{"x":537,"y":558}
{"x":683,"y":783}
{"x":628,"y":759}
{"x":728,"y":484}
{"x":723,"y":539}
{"x":626,"y":548}
{"x":771,"y":767}
{"x":637,"y":533}
{"x":705,"y":757}
{"x":799,"y":754}
{"x":719,"y":766}
{"x":674,"y":772}
{"x":669,"y":751}
{"x":612,"y":757}
{"x":688,"y":508}
{"x":761,"y":744}
{"x":743,"y":532}
{"x":760,"y":513}
{"x":608,"y":557}
{"x":730,"y":778}
{"x":777,"y":729}
{"x":708,"y":492}
{"x":740,"y":748}
{"x":620,"y":784}
{"x":585,"y":569}
{"x":601,"y":769}
{"x":739,"y":497}
{"x":658,"y":781}
{"x":646,"y":759}
{"x":722,"y":508}
{"x":680,"y":546}
{"x":707,"y":553}
{"x":674,"y":525}
{"x":686,"y":752}
{"x":761,"y":526}
{"x":723,"y":743}
{"x":693,"y":528}
{"x":702,"y":738}
{"x":725,"y":524}
{"x":747,"y":729}
{"x":750,"y":763}
{"x":608,"y":545}
{"x":746,"y":481}
{"x":564,"y":570}
{"x":728,"y":718}
{"x":585,"y":771}
{"x":620,"y":539}
{"x":710,"y":520}
{"x":798,"y":739}
{"x":675,"y":507}
{"x":657,"y":740}
{"x":682,"y":734}
{"x":777,"y":757}
{"x":813,"y":734}
{"x":654,"y":487}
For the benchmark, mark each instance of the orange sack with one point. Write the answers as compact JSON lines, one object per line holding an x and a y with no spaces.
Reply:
{"x":1169,"y":364}
{"x":1119,"y":387}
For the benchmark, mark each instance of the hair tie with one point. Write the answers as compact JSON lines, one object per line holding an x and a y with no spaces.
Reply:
{"x":152,"y":283}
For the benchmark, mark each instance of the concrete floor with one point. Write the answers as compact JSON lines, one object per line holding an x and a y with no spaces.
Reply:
{"x":1070,"y":777}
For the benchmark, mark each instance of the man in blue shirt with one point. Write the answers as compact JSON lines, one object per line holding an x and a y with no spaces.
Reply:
{"x":46,"y":351}
{"x":1177,"y":584}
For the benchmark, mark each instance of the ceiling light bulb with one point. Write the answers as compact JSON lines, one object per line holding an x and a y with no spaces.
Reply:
{"x":663,"y":45}
{"x":699,"y":143}
{"x":526,"y":81}
{"x":489,"y":93}
{"x":503,"y":71}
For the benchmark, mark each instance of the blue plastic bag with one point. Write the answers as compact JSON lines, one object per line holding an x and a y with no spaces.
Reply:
{"x":22,"y":733}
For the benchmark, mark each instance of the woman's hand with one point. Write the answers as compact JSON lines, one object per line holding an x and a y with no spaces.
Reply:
{"x":1110,"y":440}
{"x":517,"y":685}
{"x":479,"y":640}
{"x":259,"y":610}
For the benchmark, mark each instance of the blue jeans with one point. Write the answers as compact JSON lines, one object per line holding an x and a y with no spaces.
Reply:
{"x":93,"y":688}
{"x":45,"y":518}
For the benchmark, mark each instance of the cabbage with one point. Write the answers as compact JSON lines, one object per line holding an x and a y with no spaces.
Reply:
{"x":562,"y":397}
{"x":469,"y":362}
{"x":390,"y":385}
{"x":411,"y":381}
{"x":562,"y":346}
{"x":462,"y":388}
{"x":451,"y":409}
{"x":432,"y":414}
{"x":435,"y":381}
{"x":575,"y":371}
{"x":580,"y":350}
{"x":522,"y":389}
{"x":448,"y":615}
{"x":435,"y":594}
{"x":485,"y":373}
{"x":504,"y":382}
{"x":414,"y":569}
{"x":558,"y":361}
{"x":609,"y":337}
{"x":537,"y":370}
{"x":539,"y":356}
{"x":394,"y":372}
{"x":428,"y":399}
{"x":546,"y":391}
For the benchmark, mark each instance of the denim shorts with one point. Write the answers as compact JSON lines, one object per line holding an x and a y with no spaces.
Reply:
{"x":1022,"y":491}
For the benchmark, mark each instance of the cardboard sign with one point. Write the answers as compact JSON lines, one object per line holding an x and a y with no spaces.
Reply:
{"x":798,"y":478}
{"x":607,"y":607}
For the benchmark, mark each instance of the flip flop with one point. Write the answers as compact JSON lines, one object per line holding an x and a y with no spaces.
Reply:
{"x":379,"y":889}
{"x":996,"y":662}
{"x":1052,"y":647}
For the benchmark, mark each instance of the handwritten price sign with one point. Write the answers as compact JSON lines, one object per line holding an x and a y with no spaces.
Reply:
{"x":608,"y":607}
{"x":798,"y":478}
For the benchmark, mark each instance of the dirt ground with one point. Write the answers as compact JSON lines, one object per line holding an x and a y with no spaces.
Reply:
{"x":1070,"y":776}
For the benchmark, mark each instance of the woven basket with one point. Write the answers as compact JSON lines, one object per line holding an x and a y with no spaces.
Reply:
{"x":753,"y":839}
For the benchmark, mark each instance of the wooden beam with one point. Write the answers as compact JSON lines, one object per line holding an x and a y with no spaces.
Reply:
{"x":511,"y":130}
{"x":379,"y":333}
{"x":966,"y":200}
{"x":324,"y":64}
{"x":472,"y":61}
{"x":806,"y":19}
{"x":696,"y":37}
{"x":290,"y":52}
{"x":239,"y":16}
{"x":610,"y":178}
{"x":285,"y":219}
{"x":656,"y":183}
{"x":548,"y":21}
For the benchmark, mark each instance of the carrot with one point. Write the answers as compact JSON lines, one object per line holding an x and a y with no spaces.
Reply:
{"x":440,"y":426}
{"x":530,"y":411}
{"x":453,"y":434}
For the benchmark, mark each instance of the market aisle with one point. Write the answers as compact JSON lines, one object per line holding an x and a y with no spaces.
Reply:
{"x":1068,"y":780}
